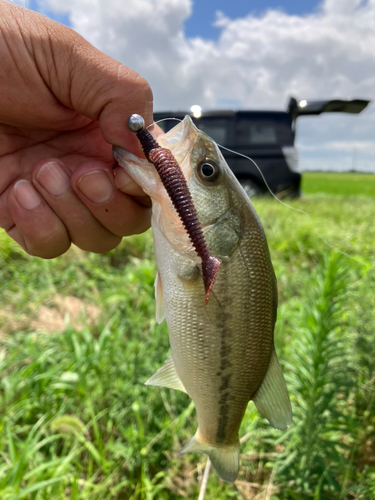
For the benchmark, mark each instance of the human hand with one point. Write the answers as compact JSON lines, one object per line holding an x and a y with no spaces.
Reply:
{"x":63,"y":104}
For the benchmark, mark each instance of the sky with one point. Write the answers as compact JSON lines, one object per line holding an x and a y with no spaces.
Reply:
{"x":246,"y":54}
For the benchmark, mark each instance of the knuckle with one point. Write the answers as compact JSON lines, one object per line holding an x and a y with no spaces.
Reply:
{"x":144,"y":89}
{"x":138,"y":88}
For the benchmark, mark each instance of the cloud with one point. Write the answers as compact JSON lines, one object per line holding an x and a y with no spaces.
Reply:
{"x":350,"y":146}
{"x":257,"y":61}
{"x":365,"y":146}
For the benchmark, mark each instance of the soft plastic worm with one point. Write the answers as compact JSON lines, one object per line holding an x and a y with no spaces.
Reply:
{"x":176,"y":186}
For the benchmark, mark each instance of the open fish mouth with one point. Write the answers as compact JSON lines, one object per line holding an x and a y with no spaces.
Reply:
{"x":180,"y":141}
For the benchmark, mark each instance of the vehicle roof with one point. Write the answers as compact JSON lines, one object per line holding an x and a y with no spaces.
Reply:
{"x":224,"y":113}
{"x":294,"y":109}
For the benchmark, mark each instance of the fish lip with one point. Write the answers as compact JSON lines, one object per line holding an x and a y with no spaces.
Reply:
{"x":117,"y":151}
{"x":181,"y":137}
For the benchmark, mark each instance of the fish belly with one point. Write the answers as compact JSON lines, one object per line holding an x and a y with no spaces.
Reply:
{"x":221,"y":351}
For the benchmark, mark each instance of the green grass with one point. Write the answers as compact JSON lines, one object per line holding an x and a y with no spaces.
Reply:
{"x":348,"y":184}
{"x":77,"y":421}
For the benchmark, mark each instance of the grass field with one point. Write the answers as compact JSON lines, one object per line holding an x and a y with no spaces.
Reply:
{"x":348,"y":184}
{"x":78,"y":339}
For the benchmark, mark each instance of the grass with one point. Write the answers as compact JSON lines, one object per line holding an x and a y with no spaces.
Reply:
{"x":77,"y":422}
{"x":348,"y":184}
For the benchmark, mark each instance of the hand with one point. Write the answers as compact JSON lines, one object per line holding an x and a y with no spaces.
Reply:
{"x":63,"y":104}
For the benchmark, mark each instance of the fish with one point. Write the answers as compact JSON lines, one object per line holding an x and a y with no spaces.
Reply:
{"x":223,"y":352}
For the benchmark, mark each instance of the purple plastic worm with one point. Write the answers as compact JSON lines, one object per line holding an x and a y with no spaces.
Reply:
{"x":176,"y":186}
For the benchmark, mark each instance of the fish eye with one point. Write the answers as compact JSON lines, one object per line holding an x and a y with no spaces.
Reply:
{"x":208,"y":170}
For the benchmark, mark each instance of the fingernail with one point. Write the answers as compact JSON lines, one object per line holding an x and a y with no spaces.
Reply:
{"x":53,"y":178}
{"x":26,"y":195}
{"x":96,"y":186}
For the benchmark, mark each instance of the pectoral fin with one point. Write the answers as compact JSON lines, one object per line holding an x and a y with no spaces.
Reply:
{"x":159,"y":296}
{"x":272,"y":398}
{"x":167,"y":376}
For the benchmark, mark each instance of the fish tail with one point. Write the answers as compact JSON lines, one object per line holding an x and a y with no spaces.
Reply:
{"x":224,"y":459}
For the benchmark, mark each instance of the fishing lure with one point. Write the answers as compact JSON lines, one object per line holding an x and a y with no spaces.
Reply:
{"x":176,"y":186}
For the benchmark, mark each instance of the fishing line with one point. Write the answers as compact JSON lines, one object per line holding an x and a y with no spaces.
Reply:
{"x":292,"y":208}
{"x":253,"y":162}
{"x":288,"y":206}
{"x":356,"y":259}
{"x":264,"y":179}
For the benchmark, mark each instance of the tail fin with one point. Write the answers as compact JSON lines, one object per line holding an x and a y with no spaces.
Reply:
{"x":224,"y":459}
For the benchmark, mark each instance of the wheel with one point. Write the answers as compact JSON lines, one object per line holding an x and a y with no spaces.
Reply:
{"x":250,"y":187}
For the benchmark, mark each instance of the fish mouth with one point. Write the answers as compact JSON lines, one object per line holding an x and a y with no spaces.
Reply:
{"x":182,"y":140}
{"x":179,"y":140}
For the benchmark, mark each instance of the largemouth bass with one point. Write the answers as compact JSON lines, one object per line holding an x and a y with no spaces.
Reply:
{"x":222,"y":352}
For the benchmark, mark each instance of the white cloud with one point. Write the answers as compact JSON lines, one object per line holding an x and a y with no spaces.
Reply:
{"x":256,"y":62}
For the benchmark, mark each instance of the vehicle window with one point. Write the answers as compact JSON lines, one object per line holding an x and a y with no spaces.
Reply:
{"x":249,"y":132}
{"x":262,"y":132}
{"x":217,"y":129}
{"x":166,"y":125}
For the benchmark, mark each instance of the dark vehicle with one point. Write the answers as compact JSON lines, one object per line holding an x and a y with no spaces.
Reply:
{"x":265,"y":136}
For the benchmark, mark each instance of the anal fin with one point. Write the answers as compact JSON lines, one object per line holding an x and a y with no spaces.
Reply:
{"x":167,"y":376}
{"x":272,"y":398}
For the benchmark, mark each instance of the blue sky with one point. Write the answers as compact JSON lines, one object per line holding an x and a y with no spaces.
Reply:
{"x":56,"y":16}
{"x":201,"y":23}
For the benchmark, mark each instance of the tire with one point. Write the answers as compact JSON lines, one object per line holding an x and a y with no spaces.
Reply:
{"x":250,"y":187}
